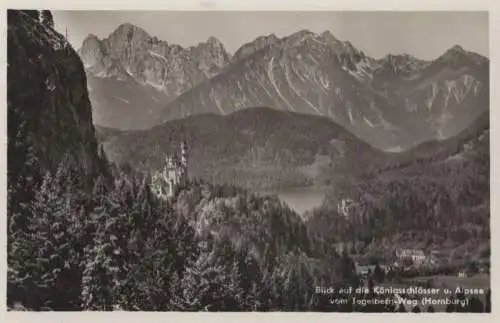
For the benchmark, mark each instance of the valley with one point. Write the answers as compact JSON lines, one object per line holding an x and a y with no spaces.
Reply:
{"x":302,"y":200}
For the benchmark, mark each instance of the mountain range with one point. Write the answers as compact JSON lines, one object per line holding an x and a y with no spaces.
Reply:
{"x":134,"y":75}
{"x":137,"y":81}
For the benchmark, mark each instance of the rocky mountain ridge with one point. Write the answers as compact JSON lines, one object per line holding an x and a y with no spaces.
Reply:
{"x":393,"y":103}
{"x":133,"y":74}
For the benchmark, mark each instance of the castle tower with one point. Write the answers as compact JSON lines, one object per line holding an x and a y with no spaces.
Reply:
{"x":184,"y":160}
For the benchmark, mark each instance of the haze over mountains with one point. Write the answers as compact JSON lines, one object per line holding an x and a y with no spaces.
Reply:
{"x":392,"y":103}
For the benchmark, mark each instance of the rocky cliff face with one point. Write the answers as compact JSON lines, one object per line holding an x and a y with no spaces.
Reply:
{"x":49,"y":113}
{"x":141,"y":74}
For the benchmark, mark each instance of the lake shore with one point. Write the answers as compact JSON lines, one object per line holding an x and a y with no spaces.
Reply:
{"x":299,"y":199}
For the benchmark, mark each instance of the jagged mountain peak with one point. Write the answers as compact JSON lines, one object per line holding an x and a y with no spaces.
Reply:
{"x":91,"y":42}
{"x":347,"y":48}
{"x":154,"y":71}
{"x":214,"y":41}
{"x":128,"y":32}
{"x":328,"y":37}
{"x":400,"y":63}
{"x":254,"y":46}
{"x":91,"y":37}
{"x":128,"y":27}
{"x":457,"y":49}
{"x":92,"y":52}
{"x":457,"y":52}
{"x":396,"y":59}
{"x":299,"y":37}
{"x":270,"y":37}
{"x":327,"y":33}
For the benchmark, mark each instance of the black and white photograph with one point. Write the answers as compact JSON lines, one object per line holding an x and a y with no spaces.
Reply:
{"x":248,"y":161}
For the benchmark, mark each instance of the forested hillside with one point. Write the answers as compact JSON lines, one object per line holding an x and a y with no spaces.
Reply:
{"x":434,"y":197}
{"x":254,"y":148}
{"x":211,"y":248}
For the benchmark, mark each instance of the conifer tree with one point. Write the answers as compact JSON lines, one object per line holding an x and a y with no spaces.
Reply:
{"x":250,"y":280}
{"x":487,"y":307}
{"x":47,"y":18}
{"x":297,"y":284}
{"x":105,"y":274}
{"x":378,"y":274}
{"x":35,"y":14}
{"x":46,"y":249}
{"x":209,"y":285}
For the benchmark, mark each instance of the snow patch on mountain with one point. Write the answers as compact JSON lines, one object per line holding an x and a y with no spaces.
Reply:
{"x":271,"y":78}
{"x":213,"y":96}
{"x":349,"y":113}
{"x":122,"y":99}
{"x":395,"y":149}
{"x":430,"y":99}
{"x":163,"y":58}
{"x":368,"y":122}
{"x":157,"y":86}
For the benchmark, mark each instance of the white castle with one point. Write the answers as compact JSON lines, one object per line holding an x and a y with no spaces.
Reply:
{"x":174,"y":174}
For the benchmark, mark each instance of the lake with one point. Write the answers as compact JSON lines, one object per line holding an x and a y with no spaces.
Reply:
{"x":300,"y":199}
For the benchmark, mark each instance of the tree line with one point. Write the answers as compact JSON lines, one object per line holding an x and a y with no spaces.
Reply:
{"x":43,"y":16}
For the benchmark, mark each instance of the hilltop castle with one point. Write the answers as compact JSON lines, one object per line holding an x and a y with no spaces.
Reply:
{"x":174,"y":174}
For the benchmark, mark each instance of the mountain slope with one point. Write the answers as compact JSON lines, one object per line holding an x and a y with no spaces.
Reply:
{"x":398,"y":101}
{"x":258,"y":147}
{"x":133,"y":75}
{"x":439,"y":150}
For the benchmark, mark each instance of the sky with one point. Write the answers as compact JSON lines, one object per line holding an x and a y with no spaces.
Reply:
{"x":425,"y":35}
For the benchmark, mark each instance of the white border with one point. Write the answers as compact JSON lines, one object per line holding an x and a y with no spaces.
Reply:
{"x":256,"y":5}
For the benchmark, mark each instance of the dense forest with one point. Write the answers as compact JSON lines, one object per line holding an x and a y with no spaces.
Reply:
{"x":210,"y":248}
{"x":118,"y":247}
{"x":258,"y":148}
{"x":437,"y":199}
